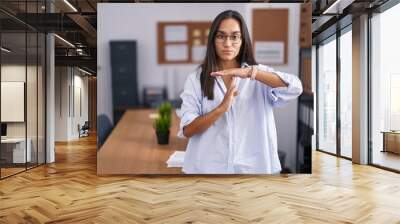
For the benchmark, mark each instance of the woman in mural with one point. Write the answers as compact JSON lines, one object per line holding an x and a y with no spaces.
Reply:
{"x":227,"y":108}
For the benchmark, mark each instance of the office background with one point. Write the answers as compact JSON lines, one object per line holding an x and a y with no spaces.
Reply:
{"x":139,"y":22}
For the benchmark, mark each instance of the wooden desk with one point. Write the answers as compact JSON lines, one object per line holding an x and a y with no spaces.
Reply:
{"x":13,"y":150}
{"x":391,"y":141}
{"x":132,"y":147}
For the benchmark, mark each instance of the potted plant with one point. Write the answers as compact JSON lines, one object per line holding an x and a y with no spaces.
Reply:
{"x":165,"y":109}
{"x":163,"y":123}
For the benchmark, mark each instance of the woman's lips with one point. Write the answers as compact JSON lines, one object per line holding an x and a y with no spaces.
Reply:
{"x":227,"y":52}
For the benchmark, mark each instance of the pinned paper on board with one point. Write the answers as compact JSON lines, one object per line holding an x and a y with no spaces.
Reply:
{"x":198,"y":53}
{"x":175,"y":33}
{"x":271,"y":47}
{"x":196,"y":42}
{"x":176,"y":52}
{"x":196,"y":33}
{"x":181,"y":42}
{"x":270,"y":52}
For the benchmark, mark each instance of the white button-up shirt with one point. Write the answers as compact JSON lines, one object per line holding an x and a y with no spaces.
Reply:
{"x":244,"y":139}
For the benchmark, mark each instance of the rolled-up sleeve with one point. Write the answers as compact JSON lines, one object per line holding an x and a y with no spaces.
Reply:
{"x":191,"y":103}
{"x":279,"y":96}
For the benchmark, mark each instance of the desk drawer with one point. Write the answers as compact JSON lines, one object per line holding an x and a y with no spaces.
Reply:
{"x":19,"y":155}
{"x":15,"y":152}
{"x":392,"y":142}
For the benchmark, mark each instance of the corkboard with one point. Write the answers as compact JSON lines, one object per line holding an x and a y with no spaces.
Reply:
{"x":271,"y":25}
{"x":203,"y":27}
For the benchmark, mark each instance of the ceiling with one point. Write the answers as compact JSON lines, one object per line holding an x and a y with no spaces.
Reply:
{"x":330,"y":15}
{"x":73,"y":20}
{"x":76,"y":22}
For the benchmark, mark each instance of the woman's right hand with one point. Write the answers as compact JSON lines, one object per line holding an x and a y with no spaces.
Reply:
{"x":201,"y":123}
{"x":230,"y":95}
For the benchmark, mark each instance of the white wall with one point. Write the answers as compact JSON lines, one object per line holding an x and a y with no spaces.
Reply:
{"x":66,"y":81}
{"x":61,"y":103}
{"x":33,"y":126}
{"x":138,"y":22}
{"x":12,"y":73}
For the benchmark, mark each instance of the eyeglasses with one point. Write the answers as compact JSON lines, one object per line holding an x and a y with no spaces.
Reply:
{"x":221,"y":38}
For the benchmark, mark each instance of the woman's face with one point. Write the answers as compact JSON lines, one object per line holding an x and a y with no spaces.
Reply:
{"x":228,"y":39}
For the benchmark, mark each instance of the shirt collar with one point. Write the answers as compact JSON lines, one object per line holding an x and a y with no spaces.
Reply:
{"x":244,"y":65}
{"x":220,"y":83}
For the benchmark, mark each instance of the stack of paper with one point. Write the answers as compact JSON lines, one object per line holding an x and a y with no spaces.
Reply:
{"x":176,"y":159}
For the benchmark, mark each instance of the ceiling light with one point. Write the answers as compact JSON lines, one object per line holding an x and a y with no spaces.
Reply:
{"x":86,"y":72}
{"x":64,"y":40}
{"x":70,"y":5}
{"x":337,"y":7}
{"x":5,"y":49}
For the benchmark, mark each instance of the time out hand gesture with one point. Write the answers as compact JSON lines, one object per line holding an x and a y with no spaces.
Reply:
{"x":236,"y":72}
{"x":230,"y":94}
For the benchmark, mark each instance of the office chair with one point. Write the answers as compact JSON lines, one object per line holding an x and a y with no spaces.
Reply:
{"x":104,"y":128}
{"x":84,"y":130}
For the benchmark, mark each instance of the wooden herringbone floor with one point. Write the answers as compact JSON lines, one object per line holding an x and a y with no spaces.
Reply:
{"x":70,"y":192}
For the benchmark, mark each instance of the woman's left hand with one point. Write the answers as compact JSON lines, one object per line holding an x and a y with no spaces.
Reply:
{"x":236,"y":72}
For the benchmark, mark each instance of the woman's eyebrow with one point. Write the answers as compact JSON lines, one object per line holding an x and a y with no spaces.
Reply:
{"x":223,"y":32}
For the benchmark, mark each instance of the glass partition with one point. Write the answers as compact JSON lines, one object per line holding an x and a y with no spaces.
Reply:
{"x":14,"y":153}
{"x":346,"y":93}
{"x":327,"y":96}
{"x":23,"y":90}
{"x":385,"y":89}
{"x":32,"y":95}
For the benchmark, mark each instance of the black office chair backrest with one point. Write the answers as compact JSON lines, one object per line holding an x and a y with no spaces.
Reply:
{"x":86,"y":125}
{"x":104,"y":128}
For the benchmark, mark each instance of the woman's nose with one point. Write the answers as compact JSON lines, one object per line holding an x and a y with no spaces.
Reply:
{"x":227,"y":42}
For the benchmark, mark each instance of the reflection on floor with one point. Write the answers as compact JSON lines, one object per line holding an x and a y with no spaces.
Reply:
{"x":347,"y":152}
{"x":386,"y":159}
{"x":10,"y":171}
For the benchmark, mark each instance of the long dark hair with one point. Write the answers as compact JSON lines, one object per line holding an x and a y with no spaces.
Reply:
{"x":210,"y":61}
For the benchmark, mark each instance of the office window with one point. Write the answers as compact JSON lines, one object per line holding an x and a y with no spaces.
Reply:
{"x":346,"y":93}
{"x":327,"y":96}
{"x":385,"y":89}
